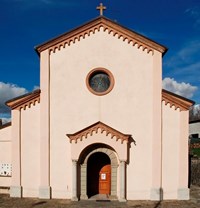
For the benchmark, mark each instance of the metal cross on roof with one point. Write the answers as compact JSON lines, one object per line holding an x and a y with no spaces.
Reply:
{"x":101,"y":8}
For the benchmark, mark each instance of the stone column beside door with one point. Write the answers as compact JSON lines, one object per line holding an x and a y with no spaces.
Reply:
{"x":84,"y":181}
{"x":114,"y":179}
{"x":74,"y":180}
{"x":122,"y":181}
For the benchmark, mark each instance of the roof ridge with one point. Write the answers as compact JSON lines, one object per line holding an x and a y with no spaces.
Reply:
{"x":76,"y":34}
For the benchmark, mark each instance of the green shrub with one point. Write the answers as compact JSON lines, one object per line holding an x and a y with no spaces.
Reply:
{"x":196,"y":152}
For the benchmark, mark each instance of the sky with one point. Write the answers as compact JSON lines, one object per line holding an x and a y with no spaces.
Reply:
{"x":25,"y":24}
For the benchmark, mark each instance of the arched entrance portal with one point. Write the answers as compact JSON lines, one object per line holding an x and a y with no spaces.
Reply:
{"x":98,"y":171}
{"x":99,"y":137}
{"x":98,"y":174}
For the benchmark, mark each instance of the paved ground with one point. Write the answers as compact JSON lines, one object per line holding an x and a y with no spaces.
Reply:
{"x":7,"y":202}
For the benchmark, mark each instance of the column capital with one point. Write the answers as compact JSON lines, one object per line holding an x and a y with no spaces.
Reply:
{"x":83,"y":164}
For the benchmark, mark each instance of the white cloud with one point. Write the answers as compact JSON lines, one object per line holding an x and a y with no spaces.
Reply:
{"x":190,"y":49}
{"x":36,"y":87}
{"x":184,"y":64}
{"x":5,"y":120}
{"x":7,"y":92}
{"x":196,"y":108}
{"x":183,"y":89}
{"x":187,"y":55}
{"x":194,"y":12}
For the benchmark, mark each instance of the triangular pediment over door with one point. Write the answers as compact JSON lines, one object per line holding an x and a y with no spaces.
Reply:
{"x":99,"y":133}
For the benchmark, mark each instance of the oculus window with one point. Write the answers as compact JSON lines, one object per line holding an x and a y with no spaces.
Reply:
{"x":100,"y":81}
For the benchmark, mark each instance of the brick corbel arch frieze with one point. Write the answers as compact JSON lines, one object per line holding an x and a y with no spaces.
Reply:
{"x":99,"y":133}
{"x":90,"y":130}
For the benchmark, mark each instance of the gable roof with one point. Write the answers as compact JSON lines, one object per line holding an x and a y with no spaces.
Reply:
{"x":107,"y":24}
{"x":24,"y":100}
{"x":176,"y":100}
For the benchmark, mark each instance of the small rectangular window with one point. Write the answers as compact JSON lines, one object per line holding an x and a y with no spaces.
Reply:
{"x":195,"y":135}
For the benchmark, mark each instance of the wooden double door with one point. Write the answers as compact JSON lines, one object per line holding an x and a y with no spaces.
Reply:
{"x":98,"y":174}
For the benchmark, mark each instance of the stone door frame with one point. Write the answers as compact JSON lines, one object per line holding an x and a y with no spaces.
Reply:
{"x":83,"y":171}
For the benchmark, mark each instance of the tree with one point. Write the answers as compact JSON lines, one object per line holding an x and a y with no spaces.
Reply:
{"x":194,"y":113}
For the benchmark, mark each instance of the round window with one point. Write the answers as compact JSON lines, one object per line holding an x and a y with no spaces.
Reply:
{"x":100,"y":81}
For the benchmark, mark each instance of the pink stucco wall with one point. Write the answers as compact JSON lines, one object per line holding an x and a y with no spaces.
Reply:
{"x":42,"y":153}
{"x":128,"y":107}
{"x":30,"y":150}
{"x":171,"y":122}
{"x":5,"y":153}
{"x":175,"y":152}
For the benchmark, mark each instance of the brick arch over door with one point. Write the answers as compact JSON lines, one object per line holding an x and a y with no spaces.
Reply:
{"x":114,"y":165}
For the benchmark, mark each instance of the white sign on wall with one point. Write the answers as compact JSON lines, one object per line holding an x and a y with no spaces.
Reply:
{"x":5,"y":169}
{"x":103,"y":176}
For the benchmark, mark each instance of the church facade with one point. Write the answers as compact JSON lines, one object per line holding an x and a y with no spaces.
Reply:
{"x":100,"y":123}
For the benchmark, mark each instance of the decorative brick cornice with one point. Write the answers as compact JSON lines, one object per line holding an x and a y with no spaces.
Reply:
{"x":80,"y":135}
{"x":175,"y":100}
{"x":108,"y":26}
{"x":24,"y":101}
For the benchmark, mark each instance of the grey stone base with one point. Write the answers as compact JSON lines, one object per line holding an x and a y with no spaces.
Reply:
{"x":84,"y":197}
{"x":45,"y":192}
{"x":183,"y":194}
{"x":74,"y":198}
{"x":16,"y":191}
{"x":156,"y":194}
{"x":122,"y":200}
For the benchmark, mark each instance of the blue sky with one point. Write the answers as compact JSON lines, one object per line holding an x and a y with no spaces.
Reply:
{"x":27,"y":23}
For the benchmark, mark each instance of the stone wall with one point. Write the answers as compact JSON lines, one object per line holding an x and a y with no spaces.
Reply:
{"x":195,"y":171}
